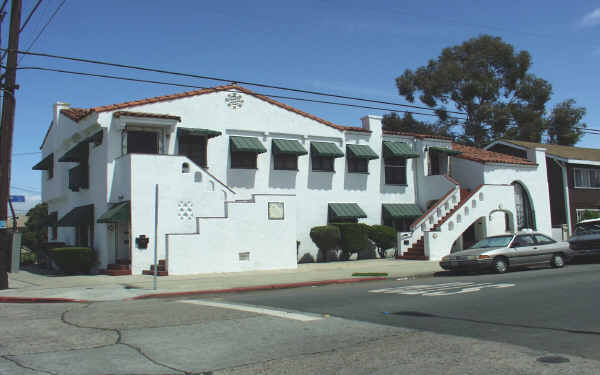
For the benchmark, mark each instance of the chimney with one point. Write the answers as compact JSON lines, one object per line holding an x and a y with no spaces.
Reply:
{"x":58,"y":106}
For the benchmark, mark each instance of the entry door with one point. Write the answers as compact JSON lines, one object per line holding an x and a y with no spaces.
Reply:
{"x":434,"y":163}
{"x":123,"y":241}
{"x":194,"y":147}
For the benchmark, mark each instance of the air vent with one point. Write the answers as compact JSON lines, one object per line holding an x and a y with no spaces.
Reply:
{"x":245,"y":256}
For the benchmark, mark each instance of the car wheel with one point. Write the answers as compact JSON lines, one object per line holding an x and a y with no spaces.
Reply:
{"x":558,"y":261}
{"x":500,"y":265}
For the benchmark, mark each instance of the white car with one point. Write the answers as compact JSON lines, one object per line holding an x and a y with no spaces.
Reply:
{"x":498,"y":253}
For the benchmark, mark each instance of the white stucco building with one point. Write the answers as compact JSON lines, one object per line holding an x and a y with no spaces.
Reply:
{"x":242,"y":178}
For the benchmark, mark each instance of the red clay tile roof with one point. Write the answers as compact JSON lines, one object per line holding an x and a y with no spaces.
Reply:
{"x":416,"y":135}
{"x":77,"y":114}
{"x":485,"y":156}
{"x":146,"y":115}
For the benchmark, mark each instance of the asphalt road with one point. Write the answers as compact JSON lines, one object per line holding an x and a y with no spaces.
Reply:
{"x":450,"y":325}
{"x":555,"y":310}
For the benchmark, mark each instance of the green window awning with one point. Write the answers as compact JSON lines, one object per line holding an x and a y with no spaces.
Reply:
{"x":361,"y":152}
{"x":288,"y":147}
{"x":398,"y":150}
{"x":325,"y":149}
{"x":45,"y":164}
{"x":444,"y":150}
{"x":346,"y":211}
{"x":246,"y":144}
{"x":78,"y":215}
{"x":196,"y":131}
{"x":401,"y":210}
{"x":76,"y":154}
{"x":118,"y":213}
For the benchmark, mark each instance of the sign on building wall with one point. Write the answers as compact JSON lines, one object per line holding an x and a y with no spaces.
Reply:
{"x":276,"y":211}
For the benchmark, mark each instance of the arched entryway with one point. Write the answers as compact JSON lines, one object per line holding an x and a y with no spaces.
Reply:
{"x":525,"y":213}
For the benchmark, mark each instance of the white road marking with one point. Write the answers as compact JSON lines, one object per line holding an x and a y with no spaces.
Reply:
{"x":257,"y":310}
{"x":445,"y":289}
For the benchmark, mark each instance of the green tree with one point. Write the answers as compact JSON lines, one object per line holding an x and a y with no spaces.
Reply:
{"x":36,"y":228}
{"x":485,"y":78}
{"x":564,"y":123}
{"x":408,"y":124}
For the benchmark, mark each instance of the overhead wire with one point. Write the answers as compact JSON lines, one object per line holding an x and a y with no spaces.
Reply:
{"x":30,"y":15}
{"x":227,"y":80}
{"x":232,"y":90}
{"x":39,"y":34}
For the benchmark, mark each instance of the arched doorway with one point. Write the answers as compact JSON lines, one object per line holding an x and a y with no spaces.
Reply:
{"x":525,"y":214}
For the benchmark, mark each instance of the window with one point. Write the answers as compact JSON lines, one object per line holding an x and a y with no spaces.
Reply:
{"x":523,"y":240}
{"x":587,"y":213}
{"x":285,"y":162}
{"x":142,"y":142}
{"x":194,"y":147}
{"x":243,"y":160}
{"x":400,"y":225}
{"x":51,"y":167}
{"x":395,"y":171}
{"x":322,"y":163}
{"x":356,"y":165}
{"x":587,"y":178}
{"x":543,"y":240}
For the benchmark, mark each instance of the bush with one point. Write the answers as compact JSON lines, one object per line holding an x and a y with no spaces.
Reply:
{"x":384,"y":238}
{"x":326,"y":237}
{"x":74,"y":259}
{"x":27,"y":258}
{"x":355,"y":237}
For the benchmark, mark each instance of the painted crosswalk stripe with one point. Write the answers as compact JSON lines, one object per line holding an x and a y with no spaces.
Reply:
{"x":255,"y":309}
{"x":445,"y":289}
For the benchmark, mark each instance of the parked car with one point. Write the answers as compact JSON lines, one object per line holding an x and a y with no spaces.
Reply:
{"x":586,"y":239}
{"x":498,"y":253}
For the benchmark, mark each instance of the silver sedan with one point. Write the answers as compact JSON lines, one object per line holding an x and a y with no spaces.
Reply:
{"x":498,"y":253}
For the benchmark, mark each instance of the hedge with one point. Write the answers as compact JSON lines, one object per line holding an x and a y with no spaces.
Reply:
{"x":326,"y":237}
{"x":354,"y":237}
{"x":383,"y":236}
{"x":74,"y":259}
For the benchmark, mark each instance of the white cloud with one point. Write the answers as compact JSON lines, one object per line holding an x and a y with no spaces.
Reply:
{"x":592,"y":18}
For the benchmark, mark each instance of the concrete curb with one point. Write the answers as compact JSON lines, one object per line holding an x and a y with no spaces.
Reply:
{"x":260,"y":287}
{"x":40,"y":300}
{"x":4,"y":299}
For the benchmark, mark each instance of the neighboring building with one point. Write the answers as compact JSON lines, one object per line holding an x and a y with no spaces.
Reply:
{"x":242,"y":178}
{"x":573,"y":179}
{"x":21,"y":222}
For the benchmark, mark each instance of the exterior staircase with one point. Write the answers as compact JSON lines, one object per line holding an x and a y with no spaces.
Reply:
{"x":162,"y":269}
{"x":417,"y":250}
{"x":120,"y":268}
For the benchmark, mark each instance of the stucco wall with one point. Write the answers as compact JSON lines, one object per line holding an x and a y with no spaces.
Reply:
{"x":467,"y":172}
{"x":270,"y":244}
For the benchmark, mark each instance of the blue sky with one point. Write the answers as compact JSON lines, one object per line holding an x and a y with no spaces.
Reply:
{"x":354,"y":48}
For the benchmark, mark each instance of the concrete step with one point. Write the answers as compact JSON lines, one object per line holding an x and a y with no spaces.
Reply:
{"x":117,"y":272}
{"x":118,"y":266}
{"x":151,"y":272}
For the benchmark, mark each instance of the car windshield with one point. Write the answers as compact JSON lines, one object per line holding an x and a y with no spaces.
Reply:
{"x":497,"y":241}
{"x":590,"y":227}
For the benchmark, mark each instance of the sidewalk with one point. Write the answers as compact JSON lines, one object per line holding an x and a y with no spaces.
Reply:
{"x":27,"y":286}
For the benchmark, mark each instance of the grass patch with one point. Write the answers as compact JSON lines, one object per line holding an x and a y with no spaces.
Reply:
{"x":369,"y":274}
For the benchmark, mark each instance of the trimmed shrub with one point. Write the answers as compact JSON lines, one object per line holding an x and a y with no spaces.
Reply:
{"x":27,"y":258}
{"x":327,"y":239}
{"x":384,"y":238}
{"x":74,"y":259}
{"x":355,"y":237}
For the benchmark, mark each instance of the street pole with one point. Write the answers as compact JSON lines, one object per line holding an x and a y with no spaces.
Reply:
{"x":6,"y":134}
{"x":155,"y":237}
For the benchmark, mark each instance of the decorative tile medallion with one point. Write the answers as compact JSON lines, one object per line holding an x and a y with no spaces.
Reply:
{"x":185,"y":210}
{"x":234,"y":100}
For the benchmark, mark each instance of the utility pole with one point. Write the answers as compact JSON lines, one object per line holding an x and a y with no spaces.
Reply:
{"x":6,"y":135}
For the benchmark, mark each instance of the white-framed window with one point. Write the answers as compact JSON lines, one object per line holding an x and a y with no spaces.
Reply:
{"x":587,"y":178}
{"x":587,"y":213}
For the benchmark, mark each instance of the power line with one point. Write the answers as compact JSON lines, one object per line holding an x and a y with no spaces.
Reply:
{"x":220,"y":79}
{"x":30,"y":14}
{"x":42,"y":30}
{"x":25,"y":189}
{"x":26,"y":153}
{"x":203,"y":87}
